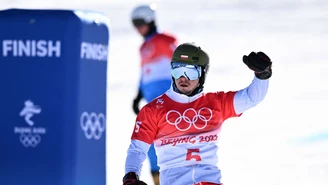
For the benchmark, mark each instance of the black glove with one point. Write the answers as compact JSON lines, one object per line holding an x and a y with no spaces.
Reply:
{"x":136,"y":101}
{"x":132,"y":178}
{"x":260,"y":63}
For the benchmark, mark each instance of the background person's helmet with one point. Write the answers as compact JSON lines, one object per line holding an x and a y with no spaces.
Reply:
{"x":144,"y":14}
{"x":191,"y":53}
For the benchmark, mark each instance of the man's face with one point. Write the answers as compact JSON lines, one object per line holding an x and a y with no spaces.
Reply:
{"x":186,"y":76}
{"x":142,"y":29}
{"x":186,"y":86}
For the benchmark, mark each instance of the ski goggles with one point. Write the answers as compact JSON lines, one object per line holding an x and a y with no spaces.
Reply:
{"x":191,"y":72}
{"x":138,"y":22}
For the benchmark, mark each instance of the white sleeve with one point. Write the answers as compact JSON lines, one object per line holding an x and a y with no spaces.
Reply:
{"x":137,"y":154}
{"x":250,"y":96}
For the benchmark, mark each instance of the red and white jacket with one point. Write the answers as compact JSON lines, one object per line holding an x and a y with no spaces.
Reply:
{"x":156,"y":53}
{"x":185,"y":131}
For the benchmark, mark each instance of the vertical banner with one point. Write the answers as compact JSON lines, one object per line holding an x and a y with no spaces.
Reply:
{"x":53,"y":68}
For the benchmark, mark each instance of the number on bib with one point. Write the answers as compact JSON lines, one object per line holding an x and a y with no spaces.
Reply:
{"x":190,"y":154}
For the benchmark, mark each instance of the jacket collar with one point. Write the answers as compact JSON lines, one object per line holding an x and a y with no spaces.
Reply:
{"x":181,"y":98}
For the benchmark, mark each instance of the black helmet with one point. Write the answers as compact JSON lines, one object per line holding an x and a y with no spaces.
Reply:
{"x":191,"y":53}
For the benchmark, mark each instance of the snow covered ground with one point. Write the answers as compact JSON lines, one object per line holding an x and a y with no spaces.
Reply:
{"x":284,"y":140}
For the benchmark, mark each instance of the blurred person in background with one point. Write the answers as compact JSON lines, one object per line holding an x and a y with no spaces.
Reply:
{"x":185,"y":123}
{"x":156,"y":52}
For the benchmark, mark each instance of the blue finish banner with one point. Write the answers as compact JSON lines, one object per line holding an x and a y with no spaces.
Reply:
{"x":53,"y":72}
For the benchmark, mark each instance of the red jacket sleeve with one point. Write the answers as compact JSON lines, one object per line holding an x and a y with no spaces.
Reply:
{"x":227,"y":105}
{"x":145,"y":128}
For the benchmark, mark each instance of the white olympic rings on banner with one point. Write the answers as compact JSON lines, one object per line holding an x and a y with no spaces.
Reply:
{"x":191,"y":121}
{"x":93,"y":125}
{"x":30,"y":140}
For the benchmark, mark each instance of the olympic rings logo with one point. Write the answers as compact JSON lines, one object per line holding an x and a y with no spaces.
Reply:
{"x":93,"y":125}
{"x":30,"y":140}
{"x":190,"y":121}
